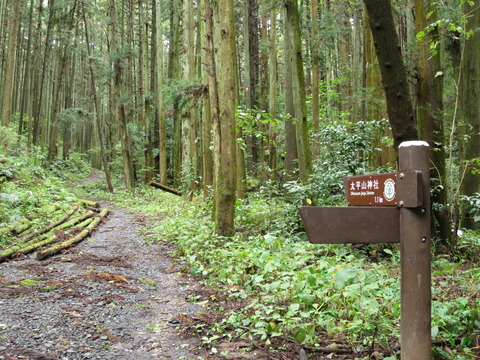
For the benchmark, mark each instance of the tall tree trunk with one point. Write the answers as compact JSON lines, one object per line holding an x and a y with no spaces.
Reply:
{"x":151,"y":121}
{"x":39,"y":98}
{"x":295,"y":66}
{"x":207,"y":158}
{"x":10,"y":65}
{"x":211,"y":71}
{"x":160,"y":75}
{"x":315,"y":75}
{"x":174,"y":73}
{"x":127,"y":157}
{"x":375,"y":108}
{"x":248,"y":80}
{"x":69,"y":94}
{"x":224,"y":124}
{"x":140,"y":108}
{"x":100,"y":125}
{"x":394,"y":76}
{"x":291,"y":154}
{"x":429,"y":113}
{"x":272,"y":129}
{"x":190,"y":115}
{"x":58,"y":85}
{"x":26,"y":76}
{"x":470,"y":94}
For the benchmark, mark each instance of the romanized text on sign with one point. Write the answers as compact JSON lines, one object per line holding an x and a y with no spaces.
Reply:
{"x":372,"y":190}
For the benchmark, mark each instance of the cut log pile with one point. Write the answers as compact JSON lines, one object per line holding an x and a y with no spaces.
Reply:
{"x":73,"y":227}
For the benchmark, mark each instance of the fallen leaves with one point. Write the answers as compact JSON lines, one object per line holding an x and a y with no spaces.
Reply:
{"x":105,"y":276}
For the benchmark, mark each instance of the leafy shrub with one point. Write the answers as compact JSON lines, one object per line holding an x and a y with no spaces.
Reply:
{"x":345,"y":149}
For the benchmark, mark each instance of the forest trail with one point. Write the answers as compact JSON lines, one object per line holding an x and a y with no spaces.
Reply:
{"x":114,"y":296}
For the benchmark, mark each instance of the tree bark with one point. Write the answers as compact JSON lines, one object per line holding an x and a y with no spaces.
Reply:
{"x":470,"y":94}
{"x":315,"y":75}
{"x":9,"y":71}
{"x":40,"y":98}
{"x":100,"y":125}
{"x":224,"y":124}
{"x":429,"y":113}
{"x":298,"y":95}
{"x":26,"y":76}
{"x":118,"y":85}
{"x":207,"y":156}
{"x":160,"y":106}
{"x":394,"y":76}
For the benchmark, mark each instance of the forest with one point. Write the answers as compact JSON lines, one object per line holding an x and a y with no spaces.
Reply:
{"x":219,"y":118}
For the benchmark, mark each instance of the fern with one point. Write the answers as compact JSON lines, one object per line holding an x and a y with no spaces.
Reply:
{"x":9,"y":199}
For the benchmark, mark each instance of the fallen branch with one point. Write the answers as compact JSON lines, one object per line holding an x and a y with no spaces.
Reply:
{"x":165,"y":188}
{"x":76,"y":239}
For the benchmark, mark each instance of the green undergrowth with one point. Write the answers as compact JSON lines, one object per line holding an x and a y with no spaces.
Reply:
{"x":313,"y":294}
{"x":33,"y":191}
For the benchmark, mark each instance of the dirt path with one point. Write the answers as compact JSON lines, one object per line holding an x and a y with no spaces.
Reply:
{"x":113,"y":296}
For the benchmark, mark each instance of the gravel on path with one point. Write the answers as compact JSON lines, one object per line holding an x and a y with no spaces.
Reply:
{"x":113,"y":296}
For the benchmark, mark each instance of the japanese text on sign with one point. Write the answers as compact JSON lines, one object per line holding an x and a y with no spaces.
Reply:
{"x":379,"y":189}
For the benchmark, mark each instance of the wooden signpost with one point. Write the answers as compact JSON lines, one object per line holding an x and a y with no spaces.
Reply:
{"x":387,"y":208}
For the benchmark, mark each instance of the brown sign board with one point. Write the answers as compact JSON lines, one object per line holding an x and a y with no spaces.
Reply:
{"x":372,"y":190}
{"x":358,"y":225}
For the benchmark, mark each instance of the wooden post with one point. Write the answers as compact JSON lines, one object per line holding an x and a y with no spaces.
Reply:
{"x":415,"y":233}
{"x":404,"y":216}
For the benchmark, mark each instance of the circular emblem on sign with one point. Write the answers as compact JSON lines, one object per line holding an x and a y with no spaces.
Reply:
{"x":389,"y":189}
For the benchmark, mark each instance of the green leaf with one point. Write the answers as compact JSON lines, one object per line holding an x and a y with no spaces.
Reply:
{"x":345,"y":275}
{"x":300,"y":335}
{"x":388,"y":251}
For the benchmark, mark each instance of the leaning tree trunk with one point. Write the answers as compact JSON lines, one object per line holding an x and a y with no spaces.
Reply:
{"x":394,"y":76}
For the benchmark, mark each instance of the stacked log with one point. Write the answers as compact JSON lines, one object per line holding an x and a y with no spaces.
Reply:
{"x":70,"y":229}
